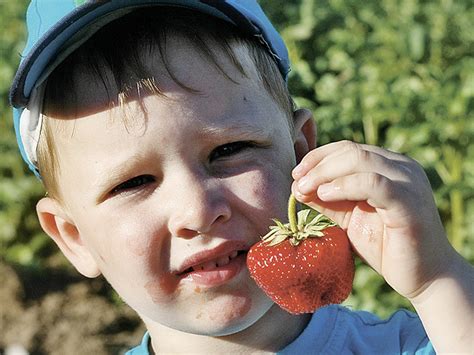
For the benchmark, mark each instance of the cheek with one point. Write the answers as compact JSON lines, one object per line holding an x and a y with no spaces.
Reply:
{"x":129,"y":247}
{"x":129,"y":233}
{"x":137,"y":269}
{"x":126,"y":237}
{"x":137,"y":246}
{"x":261,"y":195}
{"x":268,"y":189}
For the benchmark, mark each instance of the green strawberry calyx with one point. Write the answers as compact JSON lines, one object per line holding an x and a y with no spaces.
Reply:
{"x":307,"y":223}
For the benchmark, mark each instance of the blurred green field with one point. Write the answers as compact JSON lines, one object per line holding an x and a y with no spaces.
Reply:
{"x":394,"y":73}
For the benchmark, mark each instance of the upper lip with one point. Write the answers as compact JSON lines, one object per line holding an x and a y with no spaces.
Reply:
{"x":211,"y":254}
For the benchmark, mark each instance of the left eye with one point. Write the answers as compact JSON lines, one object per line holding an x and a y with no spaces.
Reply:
{"x":229,"y":149}
{"x":133,"y":183}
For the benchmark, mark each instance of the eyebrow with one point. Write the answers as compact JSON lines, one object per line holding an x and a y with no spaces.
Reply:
{"x":239,"y":129}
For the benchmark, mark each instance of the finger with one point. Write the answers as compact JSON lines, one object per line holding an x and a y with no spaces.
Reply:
{"x":347,"y":163}
{"x":338,"y":211}
{"x":341,"y":147}
{"x":379,"y":191}
{"x":314,"y":157}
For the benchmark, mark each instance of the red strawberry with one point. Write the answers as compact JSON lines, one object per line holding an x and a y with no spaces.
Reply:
{"x":304,"y":264}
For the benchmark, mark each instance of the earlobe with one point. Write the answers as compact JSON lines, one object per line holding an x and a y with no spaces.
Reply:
{"x":305,"y":133}
{"x":62,"y":230}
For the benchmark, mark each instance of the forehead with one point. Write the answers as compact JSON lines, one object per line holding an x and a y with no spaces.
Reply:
{"x":189,"y":84}
{"x":183,"y":79}
{"x":90,"y":86}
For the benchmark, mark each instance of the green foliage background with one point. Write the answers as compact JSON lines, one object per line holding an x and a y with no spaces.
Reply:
{"x":395,"y":73}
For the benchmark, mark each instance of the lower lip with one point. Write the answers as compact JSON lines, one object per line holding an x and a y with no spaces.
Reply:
{"x":219,"y":275}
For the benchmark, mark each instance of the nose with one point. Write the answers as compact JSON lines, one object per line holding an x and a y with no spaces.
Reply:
{"x":197,"y":205}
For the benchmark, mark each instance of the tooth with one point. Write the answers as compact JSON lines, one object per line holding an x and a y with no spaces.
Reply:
{"x":224,"y":260}
{"x":209,"y":265}
{"x":212,"y":264}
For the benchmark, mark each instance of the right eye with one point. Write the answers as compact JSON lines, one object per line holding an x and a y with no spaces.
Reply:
{"x":133,"y":184}
{"x":229,"y":149}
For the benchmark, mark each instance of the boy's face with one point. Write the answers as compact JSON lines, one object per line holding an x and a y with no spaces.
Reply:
{"x":168,"y":200}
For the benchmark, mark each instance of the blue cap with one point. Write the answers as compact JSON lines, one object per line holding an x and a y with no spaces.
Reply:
{"x":57,"y":27}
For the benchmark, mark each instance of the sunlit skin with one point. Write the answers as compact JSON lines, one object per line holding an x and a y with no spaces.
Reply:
{"x":183,"y":179}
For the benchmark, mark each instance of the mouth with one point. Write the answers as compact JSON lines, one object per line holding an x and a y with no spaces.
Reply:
{"x":213,"y":267}
{"x":214,"y":264}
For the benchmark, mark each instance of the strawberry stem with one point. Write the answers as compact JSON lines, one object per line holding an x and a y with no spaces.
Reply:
{"x":292,"y":213}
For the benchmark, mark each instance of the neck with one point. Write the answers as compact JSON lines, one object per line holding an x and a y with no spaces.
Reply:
{"x":269,"y":334}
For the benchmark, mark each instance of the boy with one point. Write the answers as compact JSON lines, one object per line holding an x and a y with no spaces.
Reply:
{"x":166,"y":139}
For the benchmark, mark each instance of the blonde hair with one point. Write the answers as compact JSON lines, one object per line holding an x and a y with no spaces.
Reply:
{"x":113,"y":57}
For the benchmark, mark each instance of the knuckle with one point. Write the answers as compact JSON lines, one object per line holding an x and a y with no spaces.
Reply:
{"x":347,"y":142}
{"x":415,"y":172}
{"x":377,"y":182}
{"x":309,"y":158}
{"x":358,"y":153}
{"x":347,"y":146}
{"x":414,"y":167}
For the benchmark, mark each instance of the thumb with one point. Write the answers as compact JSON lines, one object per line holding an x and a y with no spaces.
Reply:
{"x":338,"y":211}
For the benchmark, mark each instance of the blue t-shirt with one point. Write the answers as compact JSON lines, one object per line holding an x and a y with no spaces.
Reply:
{"x":338,"y":330}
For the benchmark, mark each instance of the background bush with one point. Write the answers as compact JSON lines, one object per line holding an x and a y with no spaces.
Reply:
{"x":398,"y":74}
{"x":395,"y":73}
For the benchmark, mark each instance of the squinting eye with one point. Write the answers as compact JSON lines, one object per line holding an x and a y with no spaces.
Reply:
{"x":229,"y":149}
{"x":133,"y":183}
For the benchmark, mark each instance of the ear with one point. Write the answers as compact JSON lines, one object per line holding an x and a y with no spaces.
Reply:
{"x":305,"y":132}
{"x":56,"y":223}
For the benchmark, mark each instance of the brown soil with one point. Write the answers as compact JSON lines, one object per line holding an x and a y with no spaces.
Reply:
{"x":60,"y":312}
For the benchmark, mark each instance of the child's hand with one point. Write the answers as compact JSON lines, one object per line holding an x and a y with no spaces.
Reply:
{"x":384,"y":202}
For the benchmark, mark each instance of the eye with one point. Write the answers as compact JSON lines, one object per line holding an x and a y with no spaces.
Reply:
{"x":133,"y":183}
{"x":226,"y":150}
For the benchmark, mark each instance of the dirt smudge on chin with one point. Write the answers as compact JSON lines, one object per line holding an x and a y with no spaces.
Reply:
{"x":163,"y":289}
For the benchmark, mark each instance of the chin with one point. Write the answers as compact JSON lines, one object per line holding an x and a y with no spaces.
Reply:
{"x":232,"y":317}
{"x":214,"y":314}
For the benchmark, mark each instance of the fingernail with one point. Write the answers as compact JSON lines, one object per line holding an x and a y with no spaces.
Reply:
{"x":303,"y":185}
{"x":297,"y":171}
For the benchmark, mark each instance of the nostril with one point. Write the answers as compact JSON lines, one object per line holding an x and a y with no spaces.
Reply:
{"x":221,"y":218}
{"x":187,"y":233}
